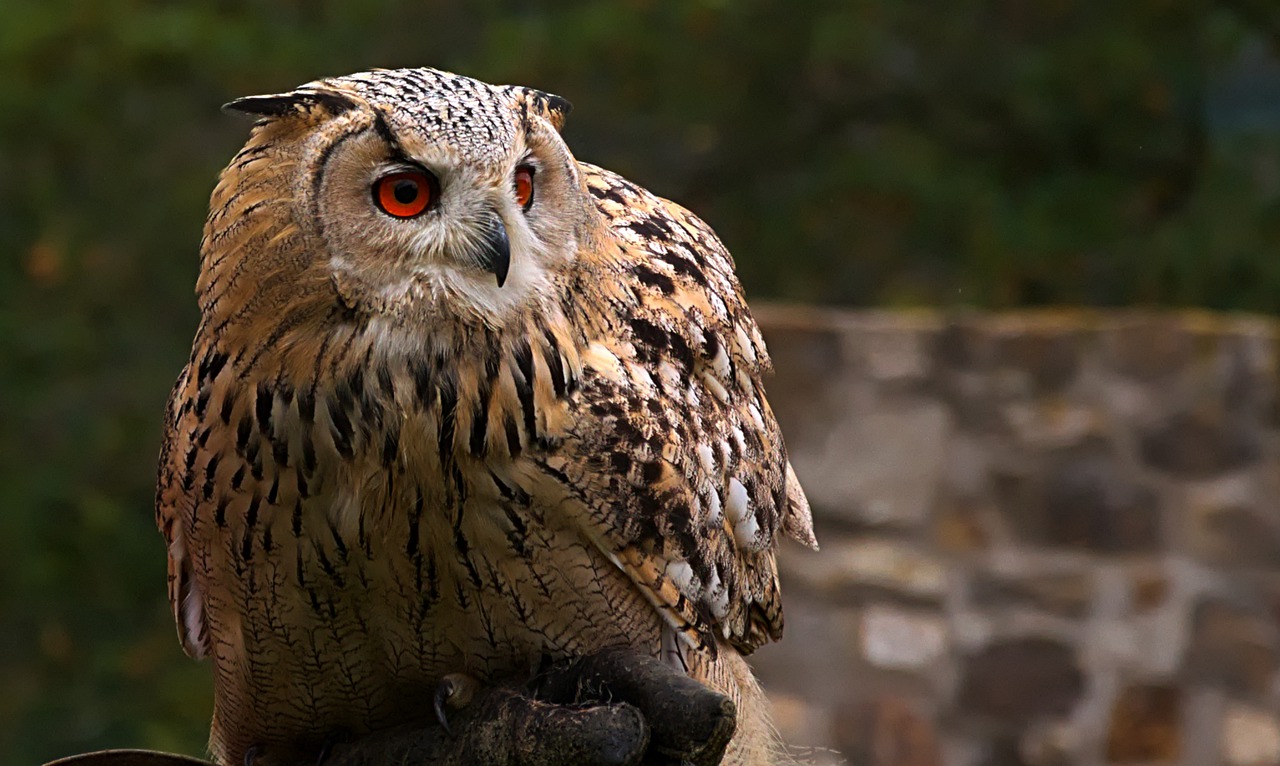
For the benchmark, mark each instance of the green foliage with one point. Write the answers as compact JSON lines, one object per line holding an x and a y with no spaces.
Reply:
{"x":999,"y":153}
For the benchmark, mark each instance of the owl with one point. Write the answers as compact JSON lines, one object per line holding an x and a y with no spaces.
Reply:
{"x":458,"y":403}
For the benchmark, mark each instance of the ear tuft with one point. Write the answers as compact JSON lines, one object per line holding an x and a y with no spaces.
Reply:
{"x":549,"y":106}
{"x":297,"y":102}
{"x":559,"y":107}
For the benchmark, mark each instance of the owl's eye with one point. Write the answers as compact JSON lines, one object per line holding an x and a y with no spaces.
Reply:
{"x":524,"y":186}
{"x":405,"y":194}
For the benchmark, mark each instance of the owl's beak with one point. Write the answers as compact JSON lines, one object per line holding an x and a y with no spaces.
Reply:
{"x":495,"y":251}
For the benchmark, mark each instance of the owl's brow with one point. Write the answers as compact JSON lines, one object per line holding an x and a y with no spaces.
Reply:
{"x":383,"y":129}
{"x":396,"y":150}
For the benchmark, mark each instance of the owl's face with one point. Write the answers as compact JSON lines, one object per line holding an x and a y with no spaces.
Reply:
{"x":425,"y":195}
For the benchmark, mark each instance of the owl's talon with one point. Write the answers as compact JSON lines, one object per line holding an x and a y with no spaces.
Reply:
{"x":455,"y":691}
{"x":442,"y":694}
{"x":252,"y":754}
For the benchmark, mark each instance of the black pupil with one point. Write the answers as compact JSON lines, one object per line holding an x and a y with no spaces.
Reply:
{"x":405,"y":191}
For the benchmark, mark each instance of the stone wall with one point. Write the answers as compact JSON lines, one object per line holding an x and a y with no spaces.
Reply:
{"x":1047,"y":538}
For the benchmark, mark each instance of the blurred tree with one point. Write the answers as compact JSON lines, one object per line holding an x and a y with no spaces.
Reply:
{"x":1003,"y":153}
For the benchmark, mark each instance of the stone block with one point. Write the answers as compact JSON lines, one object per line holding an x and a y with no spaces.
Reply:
{"x":1051,"y":743}
{"x":965,"y":343}
{"x":1250,"y":737}
{"x":1248,"y":369}
{"x":879,"y":468}
{"x":1082,"y":498}
{"x":1233,"y":648}
{"x":1067,"y":594}
{"x":1229,"y":523}
{"x":1201,"y":443}
{"x":892,"y":352}
{"x":1017,"y":680}
{"x":974,"y":400}
{"x":1147,"y":347}
{"x":1004,"y":750}
{"x":898,"y":639}
{"x":1145,"y":725}
{"x":1050,"y":356}
{"x":1053,"y":423}
{"x":961,"y":526}
{"x":1148,"y":590}
{"x":886,"y":731}
{"x":895,"y":566}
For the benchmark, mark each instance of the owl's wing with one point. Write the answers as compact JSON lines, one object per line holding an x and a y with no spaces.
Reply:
{"x":674,"y":465}
{"x":175,"y":487}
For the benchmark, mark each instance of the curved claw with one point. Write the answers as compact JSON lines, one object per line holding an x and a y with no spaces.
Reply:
{"x":252,"y":754}
{"x":455,"y":690}
{"x":443,"y":692}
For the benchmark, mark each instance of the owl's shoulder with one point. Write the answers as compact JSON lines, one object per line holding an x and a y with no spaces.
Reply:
{"x":658,"y":235}
{"x":667,"y":280}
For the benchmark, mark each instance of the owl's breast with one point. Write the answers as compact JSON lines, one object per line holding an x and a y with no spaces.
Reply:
{"x":341,"y":585}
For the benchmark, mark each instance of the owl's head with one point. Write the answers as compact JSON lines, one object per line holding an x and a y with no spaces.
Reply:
{"x":413,"y":193}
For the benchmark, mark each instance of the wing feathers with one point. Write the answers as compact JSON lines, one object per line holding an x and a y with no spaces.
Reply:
{"x":797,"y":522}
{"x":673,"y":452}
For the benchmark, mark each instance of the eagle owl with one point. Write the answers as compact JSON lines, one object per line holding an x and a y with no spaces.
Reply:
{"x":457,"y":402}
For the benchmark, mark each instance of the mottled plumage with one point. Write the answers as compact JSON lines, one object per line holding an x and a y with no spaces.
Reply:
{"x":383,"y":464}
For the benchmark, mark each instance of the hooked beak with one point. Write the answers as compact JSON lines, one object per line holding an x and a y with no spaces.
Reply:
{"x":495,"y":251}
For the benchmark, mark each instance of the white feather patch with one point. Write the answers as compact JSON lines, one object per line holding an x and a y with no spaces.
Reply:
{"x":642,"y":380}
{"x":745,"y":346}
{"x":682,"y":575}
{"x":715,"y":515}
{"x":717,"y":389}
{"x":717,"y":596}
{"x":720,"y":363}
{"x":669,"y":375}
{"x":747,"y":533}
{"x":736,"y":503}
{"x":708,"y":459}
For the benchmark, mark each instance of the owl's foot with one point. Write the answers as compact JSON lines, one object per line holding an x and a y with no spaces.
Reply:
{"x":503,"y":726}
{"x":327,"y":748}
{"x":455,"y":691}
{"x":616,"y":707}
{"x":688,"y":721}
{"x":252,"y":754}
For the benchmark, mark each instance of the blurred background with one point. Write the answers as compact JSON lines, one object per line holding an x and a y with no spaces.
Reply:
{"x":1000,"y":154}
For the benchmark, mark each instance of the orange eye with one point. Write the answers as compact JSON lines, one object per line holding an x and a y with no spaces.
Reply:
{"x":524,"y":186}
{"x":405,"y":194}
